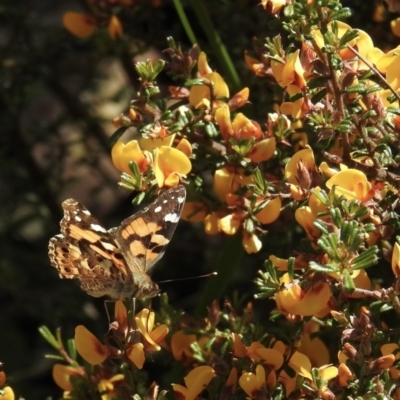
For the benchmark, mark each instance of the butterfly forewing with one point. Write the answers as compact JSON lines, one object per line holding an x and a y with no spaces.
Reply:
{"x":144,"y":236}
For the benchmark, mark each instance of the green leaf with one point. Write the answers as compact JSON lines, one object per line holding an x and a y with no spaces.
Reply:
{"x":195,"y":82}
{"x":348,"y":282}
{"x":366,"y":259}
{"x":326,"y":268}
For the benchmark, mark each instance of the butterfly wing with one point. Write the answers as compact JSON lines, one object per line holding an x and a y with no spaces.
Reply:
{"x":144,"y":236}
{"x":87,"y":251}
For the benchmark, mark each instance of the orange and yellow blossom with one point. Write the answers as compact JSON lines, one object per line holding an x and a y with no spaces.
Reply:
{"x":294,"y":299}
{"x":240,"y":128}
{"x":170,"y":165}
{"x":200,"y":95}
{"x":196,"y":381}
{"x":228,"y":180}
{"x":352,"y":184}
{"x":363,"y":43}
{"x":122,"y":154}
{"x":289,"y":71}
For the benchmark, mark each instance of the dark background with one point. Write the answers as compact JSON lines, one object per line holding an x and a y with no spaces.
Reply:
{"x":58,"y":94}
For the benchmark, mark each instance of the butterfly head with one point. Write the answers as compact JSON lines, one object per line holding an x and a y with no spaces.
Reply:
{"x":146,"y":291}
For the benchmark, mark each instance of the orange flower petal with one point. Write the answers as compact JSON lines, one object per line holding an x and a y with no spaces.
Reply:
{"x":262,"y":151}
{"x":89,"y":347}
{"x":136,"y":354}
{"x":80,"y":25}
{"x":61,"y":375}
{"x":2,"y":378}
{"x":180,"y":345}
{"x":114,"y":27}
{"x":197,"y":379}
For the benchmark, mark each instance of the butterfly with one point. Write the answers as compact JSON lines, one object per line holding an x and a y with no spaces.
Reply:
{"x":117,"y":262}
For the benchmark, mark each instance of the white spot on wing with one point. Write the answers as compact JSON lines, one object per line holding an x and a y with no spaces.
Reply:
{"x":86,"y":212}
{"x":79,"y":219}
{"x":158,"y":209}
{"x":181,"y":199}
{"x":97,"y":228}
{"x":171,"y":217}
{"x":165,"y":201}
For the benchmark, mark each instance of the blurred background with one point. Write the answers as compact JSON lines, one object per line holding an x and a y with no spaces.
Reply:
{"x":58,"y":95}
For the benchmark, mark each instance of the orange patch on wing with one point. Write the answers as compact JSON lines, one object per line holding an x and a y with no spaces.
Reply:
{"x":78,"y":233}
{"x":140,"y":227}
{"x":137,"y":248}
{"x":160,"y":240}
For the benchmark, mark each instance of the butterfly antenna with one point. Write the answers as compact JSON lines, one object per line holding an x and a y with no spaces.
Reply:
{"x":189,"y":278}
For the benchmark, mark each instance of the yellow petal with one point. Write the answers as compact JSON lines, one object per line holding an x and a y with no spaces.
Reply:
{"x":270,"y":212}
{"x":351,"y":183}
{"x":223,"y":119}
{"x":202,"y":66}
{"x":301,"y":364}
{"x":149,"y":144}
{"x":167,"y":161}
{"x":200,"y":92}
{"x":328,"y":372}
{"x":249,"y":383}
{"x":89,"y":347}
{"x":185,"y":147}
{"x":80,"y":25}
{"x":251,"y":243}
{"x":8,"y":393}
{"x":211,"y":224}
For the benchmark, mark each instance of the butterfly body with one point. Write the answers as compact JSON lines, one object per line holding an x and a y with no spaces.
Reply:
{"x":116,"y":262}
